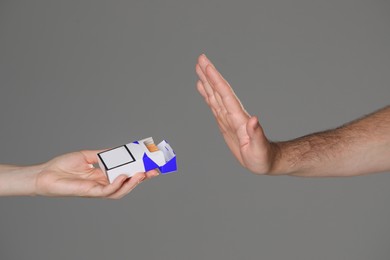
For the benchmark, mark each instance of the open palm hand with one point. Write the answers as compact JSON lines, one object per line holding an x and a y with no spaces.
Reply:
{"x":242,"y":132}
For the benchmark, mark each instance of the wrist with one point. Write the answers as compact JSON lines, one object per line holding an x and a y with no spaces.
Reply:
{"x":279,"y":162}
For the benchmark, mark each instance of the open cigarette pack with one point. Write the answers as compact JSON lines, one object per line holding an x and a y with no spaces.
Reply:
{"x":139,"y":156}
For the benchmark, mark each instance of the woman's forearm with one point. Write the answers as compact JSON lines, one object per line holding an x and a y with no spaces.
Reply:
{"x":18,"y":180}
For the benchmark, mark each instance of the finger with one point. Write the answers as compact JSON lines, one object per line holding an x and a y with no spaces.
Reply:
{"x":229,"y":99}
{"x":220,"y":101}
{"x":151,"y":174}
{"x":114,"y":186}
{"x":254,"y":129}
{"x":91,"y":155}
{"x":207,"y":62}
{"x":227,"y":132}
{"x":201,"y":90}
{"x":102,"y":190}
{"x":208,"y":90}
{"x":223,"y":127}
{"x":203,"y":62}
{"x":128,"y":186}
{"x":200,"y":71}
{"x":221,"y":81}
{"x":221,"y":116}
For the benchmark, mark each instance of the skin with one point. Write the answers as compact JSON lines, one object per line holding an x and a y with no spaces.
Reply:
{"x":357,"y":148}
{"x":71,"y":174}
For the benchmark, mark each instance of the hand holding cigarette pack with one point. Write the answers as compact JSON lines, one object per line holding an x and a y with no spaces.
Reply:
{"x":139,"y":156}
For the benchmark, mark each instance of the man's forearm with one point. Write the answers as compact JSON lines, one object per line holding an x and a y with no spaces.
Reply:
{"x":360,"y":147}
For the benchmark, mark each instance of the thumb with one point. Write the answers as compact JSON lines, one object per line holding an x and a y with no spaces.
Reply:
{"x":91,"y":155}
{"x":253,"y":128}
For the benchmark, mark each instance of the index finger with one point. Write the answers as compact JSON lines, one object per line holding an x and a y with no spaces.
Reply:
{"x":220,"y":85}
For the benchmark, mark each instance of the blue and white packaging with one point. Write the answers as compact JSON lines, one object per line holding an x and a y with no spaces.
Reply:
{"x":135,"y":157}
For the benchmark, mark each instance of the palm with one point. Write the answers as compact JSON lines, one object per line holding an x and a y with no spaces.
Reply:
{"x":242,"y":133}
{"x":73,"y":174}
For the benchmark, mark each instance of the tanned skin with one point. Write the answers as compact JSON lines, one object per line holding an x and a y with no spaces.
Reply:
{"x":356,"y":148}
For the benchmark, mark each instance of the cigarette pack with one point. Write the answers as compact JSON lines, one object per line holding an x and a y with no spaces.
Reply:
{"x":138,"y":156}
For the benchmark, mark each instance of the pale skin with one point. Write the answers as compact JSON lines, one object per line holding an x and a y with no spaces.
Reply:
{"x":357,"y":148}
{"x":71,"y":174}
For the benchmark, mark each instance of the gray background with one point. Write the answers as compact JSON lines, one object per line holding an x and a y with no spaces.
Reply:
{"x":95,"y":74}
